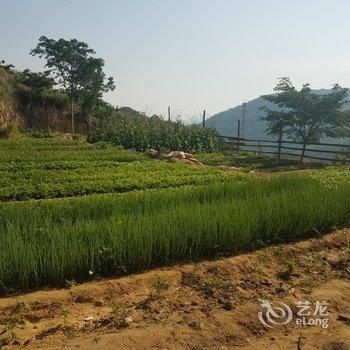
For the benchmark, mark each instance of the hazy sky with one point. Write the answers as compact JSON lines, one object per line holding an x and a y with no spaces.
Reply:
{"x":190,"y":54}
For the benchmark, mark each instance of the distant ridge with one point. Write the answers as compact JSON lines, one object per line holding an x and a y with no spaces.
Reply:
{"x":251,"y":126}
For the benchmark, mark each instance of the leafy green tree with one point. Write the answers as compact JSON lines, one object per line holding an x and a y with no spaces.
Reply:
{"x":95,"y":85}
{"x":306,"y":116}
{"x":36,"y":81}
{"x":73,"y":65}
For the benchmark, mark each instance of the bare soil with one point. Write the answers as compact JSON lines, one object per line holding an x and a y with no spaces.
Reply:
{"x":207,"y":305}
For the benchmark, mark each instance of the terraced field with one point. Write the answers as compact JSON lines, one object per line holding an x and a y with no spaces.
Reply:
{"x":32,"y":169}
{"x":168,"y":213}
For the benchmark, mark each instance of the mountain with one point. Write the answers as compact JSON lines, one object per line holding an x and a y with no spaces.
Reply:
{"x":251,"y":126}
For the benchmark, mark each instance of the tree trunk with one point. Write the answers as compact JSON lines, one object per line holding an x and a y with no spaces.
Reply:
{"x":72,"y":115}
{"x":89,"y":125}
{"x":279,"y":150}
{"x":303,"y":152}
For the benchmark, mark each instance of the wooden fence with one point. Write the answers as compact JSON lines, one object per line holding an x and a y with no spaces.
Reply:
{"x":323,"y":151}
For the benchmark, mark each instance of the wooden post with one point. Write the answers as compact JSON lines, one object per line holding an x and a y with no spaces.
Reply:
{"x":303,"y":150}
{"x":279,"y":145}
{"x":203,"y":121}
{"x":169,"y":113}
{"x":238,"y":134}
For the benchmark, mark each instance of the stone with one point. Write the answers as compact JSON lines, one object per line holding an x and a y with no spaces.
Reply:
{"x":88,"y":318}
{"x":128,"y":320}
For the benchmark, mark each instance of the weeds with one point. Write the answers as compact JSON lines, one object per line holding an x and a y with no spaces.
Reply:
{"x":11,"y":327}
{"x":159,"y":284}
{"x":64,"y":313}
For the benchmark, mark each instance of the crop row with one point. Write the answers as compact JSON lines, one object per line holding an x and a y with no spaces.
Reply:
{"x":48,"y":242}
{"x":68,"y":179}
{"x":34,"y":169}
{"x":41,"y":151}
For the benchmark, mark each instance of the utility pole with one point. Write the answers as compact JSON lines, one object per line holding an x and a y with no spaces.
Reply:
{"x":169,"y":113}
{"x":203,"y":121}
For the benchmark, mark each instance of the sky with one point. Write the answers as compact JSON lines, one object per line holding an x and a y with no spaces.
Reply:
{"x":190,"y":54}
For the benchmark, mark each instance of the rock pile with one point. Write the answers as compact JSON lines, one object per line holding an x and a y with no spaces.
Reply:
{"x":173,"y":156}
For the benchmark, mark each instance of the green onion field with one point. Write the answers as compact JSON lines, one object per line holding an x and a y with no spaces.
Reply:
{"x":167,"y":213}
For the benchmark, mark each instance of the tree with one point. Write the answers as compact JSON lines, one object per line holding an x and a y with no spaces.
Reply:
{"x":37,"y":100}
{"x":7,"y":67}
{"x":305,"y":115}
{"x":36,"y":81}
{"x":95,"y":84}
{"x":72,"y":64}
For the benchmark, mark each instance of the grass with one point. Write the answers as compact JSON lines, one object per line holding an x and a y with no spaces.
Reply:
{"x":49,"y":242}
{"x":245,"y":160}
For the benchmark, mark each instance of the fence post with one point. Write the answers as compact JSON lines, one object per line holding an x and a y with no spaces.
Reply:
{"x":203,"y":121}
{"x":279,"y":145}
{"x":169,"y":113}
{"x":238,"y":134}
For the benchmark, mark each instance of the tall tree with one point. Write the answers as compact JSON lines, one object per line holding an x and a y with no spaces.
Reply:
{"x":73,"y":65}
{"x":95,"y":85}
{"x":305,"y":115}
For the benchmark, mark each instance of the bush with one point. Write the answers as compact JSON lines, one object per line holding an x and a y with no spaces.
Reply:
{"x":136,"y":131}
{"x":42,"y":134}
{"x":9,"y":132}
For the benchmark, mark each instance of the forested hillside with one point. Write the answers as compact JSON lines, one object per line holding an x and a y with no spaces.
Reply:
{"x":251,"y":126}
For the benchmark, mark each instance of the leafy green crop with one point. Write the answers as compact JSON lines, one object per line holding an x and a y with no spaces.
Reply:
{"x":179,"y":212}
{"x":50,"y":168}
{"x":49,"y":242}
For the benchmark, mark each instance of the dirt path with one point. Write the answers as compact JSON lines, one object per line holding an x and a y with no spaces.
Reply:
{"x":208,"y":305}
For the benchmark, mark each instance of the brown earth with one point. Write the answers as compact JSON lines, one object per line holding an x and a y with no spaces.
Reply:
{"x":207,"y":305}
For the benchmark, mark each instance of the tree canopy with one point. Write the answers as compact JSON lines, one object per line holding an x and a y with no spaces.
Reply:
{"x":306,"y":115}
{"x":77,"y":71}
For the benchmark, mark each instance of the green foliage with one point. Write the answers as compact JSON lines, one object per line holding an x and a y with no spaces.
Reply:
{"x":48,"y":242}
{"x":64,"y":313}
{"x":76,"y":70}
{"x":58,"y":168}
{"x":7,"y":67}
{"x":11,"y":327}
{"x":159,"y":284}
{"x":134,"y":130}
{"x":37,"y":81}
{"x":41,"y":134}
{"x":10,"y":132}
{"x":245,"y":160}
{"x":307,"y":116}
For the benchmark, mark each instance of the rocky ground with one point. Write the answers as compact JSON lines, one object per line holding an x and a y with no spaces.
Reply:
{"x":206,"y":305}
